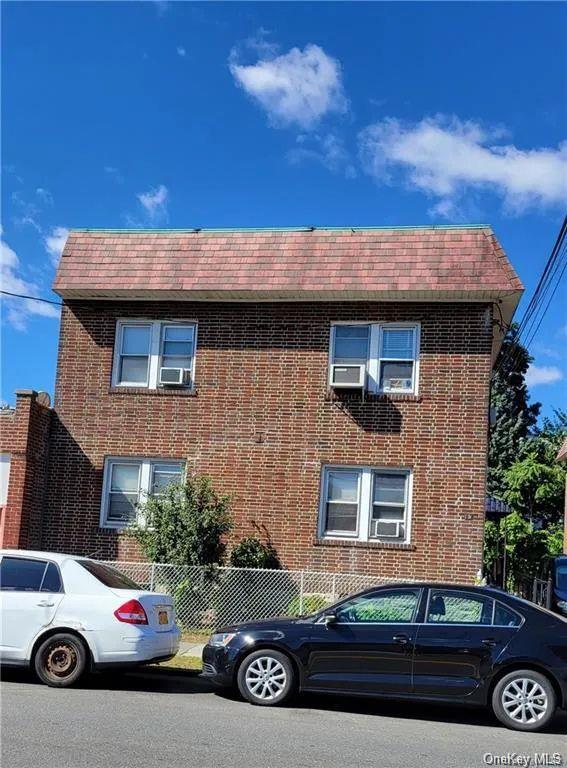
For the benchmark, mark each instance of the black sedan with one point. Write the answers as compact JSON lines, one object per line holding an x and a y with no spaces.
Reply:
{"x":431,"y":642}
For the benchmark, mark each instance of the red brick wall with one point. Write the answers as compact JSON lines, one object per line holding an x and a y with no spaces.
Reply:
{"x":262,"y":424}
{"x":24,"y":434}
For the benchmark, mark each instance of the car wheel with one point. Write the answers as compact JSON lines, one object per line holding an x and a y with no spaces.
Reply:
{"x":266,"y":678}
{"x":60,"y":660}
{"x":524,"y":700}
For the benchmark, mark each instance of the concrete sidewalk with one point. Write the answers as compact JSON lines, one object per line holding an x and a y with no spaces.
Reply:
{"x":191,"y":649}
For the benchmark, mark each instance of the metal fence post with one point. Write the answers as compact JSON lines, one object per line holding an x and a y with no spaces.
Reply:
{"x":153,"y":577}
{"x":534,"y":591}
{"x":301,"y":593}
{"x":549,"y":592}
{"x":334,"y":587}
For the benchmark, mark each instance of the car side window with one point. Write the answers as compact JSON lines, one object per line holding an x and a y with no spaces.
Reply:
{"x":51,"y":579}
{"x":506,"y":617}
{"x":448,"y":607}
{"x":21,"y":574}
{"x":398,"y":606}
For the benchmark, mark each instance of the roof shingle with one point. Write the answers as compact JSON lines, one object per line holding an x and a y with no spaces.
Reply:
{"x":422,"y":263}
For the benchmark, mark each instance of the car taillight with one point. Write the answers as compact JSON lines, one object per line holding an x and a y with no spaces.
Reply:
{"x":131,"y":612}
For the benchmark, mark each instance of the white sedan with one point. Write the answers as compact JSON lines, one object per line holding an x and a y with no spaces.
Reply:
{"x":63,"y":615}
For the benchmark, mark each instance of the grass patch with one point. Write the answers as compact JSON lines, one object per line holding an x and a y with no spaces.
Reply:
{"x":188,"y":636}
{"x":182,"y":662}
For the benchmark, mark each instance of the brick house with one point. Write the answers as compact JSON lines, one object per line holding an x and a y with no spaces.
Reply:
{"x":335,"y":382}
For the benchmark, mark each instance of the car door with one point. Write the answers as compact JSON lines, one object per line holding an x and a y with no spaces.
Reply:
{"x":463,"y":635}
{"x":368,"y":647}
{"x":30,"y":592}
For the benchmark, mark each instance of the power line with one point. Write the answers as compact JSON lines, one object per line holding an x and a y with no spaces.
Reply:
{"x":32,"y":298}
{"x":540,"y":302}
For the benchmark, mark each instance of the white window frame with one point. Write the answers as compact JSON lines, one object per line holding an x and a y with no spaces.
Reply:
{"x":145,"y":481}
{"x":375,"y":359}
{"x":155,"y":350}
{"x":365,"y":503}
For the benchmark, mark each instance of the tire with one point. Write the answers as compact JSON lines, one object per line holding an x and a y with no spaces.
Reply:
{"x":266,"y":678}
{"x":60,"y":660}
{"x":524,"y":700}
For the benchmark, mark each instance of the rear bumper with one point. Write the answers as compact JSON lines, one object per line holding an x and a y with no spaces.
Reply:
{"x":138,"y":647}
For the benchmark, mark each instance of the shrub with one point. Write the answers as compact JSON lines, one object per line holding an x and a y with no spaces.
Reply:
{"x":251,"y":553}
{"x":184,"y":524}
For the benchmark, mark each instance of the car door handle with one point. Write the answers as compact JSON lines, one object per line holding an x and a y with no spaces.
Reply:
{"x":489,"y":641}
{"x":401,"y":639}
{"x":45,"y":604}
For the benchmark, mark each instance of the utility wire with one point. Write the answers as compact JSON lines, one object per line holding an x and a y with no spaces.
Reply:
{"x":32,"y":298}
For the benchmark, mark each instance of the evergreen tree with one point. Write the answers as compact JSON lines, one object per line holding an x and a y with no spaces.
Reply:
{"x":514,"y":416}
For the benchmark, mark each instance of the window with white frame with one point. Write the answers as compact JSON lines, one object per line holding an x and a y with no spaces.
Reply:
{"x":154,"y":354}
{"x":389,"y":352}
{"x":128,"y":481}
{"x":4,"y":477}
{"x":366,"y":503}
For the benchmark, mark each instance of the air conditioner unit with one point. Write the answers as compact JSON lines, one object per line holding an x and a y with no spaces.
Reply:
{"x":398,"y":384}
{"x":173,"y":377}
{"x":348,"y":376}
{"x":386,"y":529}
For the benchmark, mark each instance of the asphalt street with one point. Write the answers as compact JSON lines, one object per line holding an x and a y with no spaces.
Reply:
{"x":161,"y":718}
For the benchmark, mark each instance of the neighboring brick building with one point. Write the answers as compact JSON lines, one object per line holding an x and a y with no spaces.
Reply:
{"x":24,"y":448}
{"x":387,"y":478}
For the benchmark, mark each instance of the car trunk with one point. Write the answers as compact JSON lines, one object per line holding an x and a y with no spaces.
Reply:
{"x":158,"y":607}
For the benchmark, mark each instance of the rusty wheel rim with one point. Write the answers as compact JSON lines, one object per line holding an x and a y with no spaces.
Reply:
{"x":60,"y":660}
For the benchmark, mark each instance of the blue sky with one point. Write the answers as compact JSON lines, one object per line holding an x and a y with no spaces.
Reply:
{"x":174,"y":114}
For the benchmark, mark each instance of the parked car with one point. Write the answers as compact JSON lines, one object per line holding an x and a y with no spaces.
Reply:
{"x":63,"y":615}
{"x":430,"y":642}
{"x":559,"y":585}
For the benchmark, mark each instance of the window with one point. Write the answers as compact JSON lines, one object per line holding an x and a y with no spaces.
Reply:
{"x":22,"y":574}
{"x":398,"y":606}
{"x":108,"y":576}
{"x":506,"y":617}
{"x":128,"y":481}
{"x":446,"y":607}
{"x":365,"y":503}
{"x":144,"y":348}
{"x":389,"y":351}
{"x":4,"y":477}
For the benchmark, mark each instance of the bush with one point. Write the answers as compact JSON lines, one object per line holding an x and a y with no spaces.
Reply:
{"x":184,"y":524}
{"x":251,"y":553}
{"x":311,"y":604}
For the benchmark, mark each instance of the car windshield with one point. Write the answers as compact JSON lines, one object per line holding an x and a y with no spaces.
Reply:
{"x":108,"y":576}
{"x":561,"y":577}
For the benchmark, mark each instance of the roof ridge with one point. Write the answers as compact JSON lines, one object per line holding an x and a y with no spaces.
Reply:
{"x":198,"y":230}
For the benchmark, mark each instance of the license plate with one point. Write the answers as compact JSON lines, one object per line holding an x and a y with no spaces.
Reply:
{"x":162,"y":617}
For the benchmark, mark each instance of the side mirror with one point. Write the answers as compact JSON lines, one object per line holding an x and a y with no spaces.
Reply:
{"x":330,"y":619}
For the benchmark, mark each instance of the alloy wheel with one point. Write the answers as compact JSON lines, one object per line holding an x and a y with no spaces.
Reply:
{"x":524,"y":700}
{"x":266,"y":678}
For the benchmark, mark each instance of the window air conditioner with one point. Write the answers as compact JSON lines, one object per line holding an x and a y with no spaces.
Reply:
{"x":348,"y":376}
{"x":173,"y":377}
{"x":387,"y":529}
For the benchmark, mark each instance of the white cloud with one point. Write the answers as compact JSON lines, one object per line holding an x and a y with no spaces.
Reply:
{"x":54,"y":243}
{"x":114,"y":173}
{"x":544,"y":374}
{"x":446,"y":158}
{"x":181,"y":51}
{"x":44,"y":195}
{"x":154,"y":203}
{"x":19,"y":310}
{"x":328,"y":150}
{"x":296,"y":88}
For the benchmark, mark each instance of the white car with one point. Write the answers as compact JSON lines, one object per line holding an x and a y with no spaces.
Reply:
{"x":63,"y":615}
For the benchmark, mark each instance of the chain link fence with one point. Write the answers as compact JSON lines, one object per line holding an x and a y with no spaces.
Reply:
{"x":210,"y":597}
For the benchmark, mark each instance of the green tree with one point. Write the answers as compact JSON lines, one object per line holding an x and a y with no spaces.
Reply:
{"x":184,"y":524}
{"x":535,"y":489}
{"x":528,"y":549}
{"x":514,"y":416}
